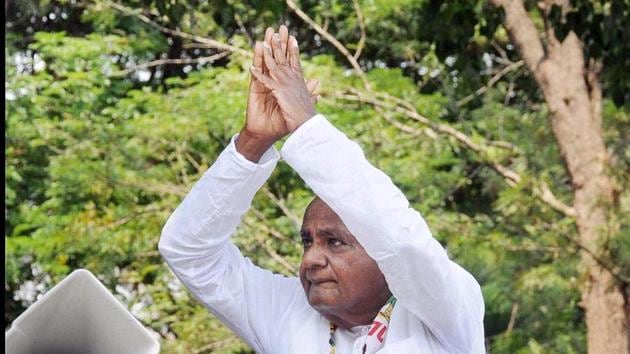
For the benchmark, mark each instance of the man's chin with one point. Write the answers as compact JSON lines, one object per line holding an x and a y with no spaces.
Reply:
{"x":322,"y":299}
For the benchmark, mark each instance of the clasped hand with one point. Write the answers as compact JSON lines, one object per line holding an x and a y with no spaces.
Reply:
{"x":279,"y":99}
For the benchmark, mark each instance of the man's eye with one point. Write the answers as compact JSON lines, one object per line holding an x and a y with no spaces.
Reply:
{"x":306,"y":242}
{"x":334,"y":242}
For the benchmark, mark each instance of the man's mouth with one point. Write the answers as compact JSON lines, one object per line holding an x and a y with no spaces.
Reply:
{"x":323,"y":282}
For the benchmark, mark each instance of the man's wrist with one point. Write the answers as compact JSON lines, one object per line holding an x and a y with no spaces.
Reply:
{"x":252,"y":147}
{"x":305,"y":117}
{"x":309,"y":114}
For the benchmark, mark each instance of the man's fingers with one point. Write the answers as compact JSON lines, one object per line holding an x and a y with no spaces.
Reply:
{"x":294,"y":51}
{"x":262,"y":78}
{"x":315,"y":98}
{"x":268,"y":34}
{"x":284,"y":39}
{"x":258,"y":56}
{"x":311,"y":85}
{"x":270,"y":62}
{"x":276,"y":46}
{"x":290,"y":52}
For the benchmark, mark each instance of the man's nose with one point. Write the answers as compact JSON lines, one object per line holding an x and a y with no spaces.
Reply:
{"x":314,"y":257}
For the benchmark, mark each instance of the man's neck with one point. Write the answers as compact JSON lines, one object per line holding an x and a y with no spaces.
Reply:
{"x":349,"y":320}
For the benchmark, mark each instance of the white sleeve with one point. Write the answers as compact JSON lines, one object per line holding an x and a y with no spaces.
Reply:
{"x":195,"y":243}
{"x":417,"y":269}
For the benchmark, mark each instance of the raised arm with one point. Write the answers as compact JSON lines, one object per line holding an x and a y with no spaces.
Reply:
{"x":195,"y":241}
{"x":417,"y":269}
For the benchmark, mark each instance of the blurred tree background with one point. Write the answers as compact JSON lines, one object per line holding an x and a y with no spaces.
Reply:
{"x":115,"y":108}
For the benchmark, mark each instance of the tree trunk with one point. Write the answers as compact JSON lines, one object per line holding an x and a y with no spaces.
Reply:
{"x":573,"y":95}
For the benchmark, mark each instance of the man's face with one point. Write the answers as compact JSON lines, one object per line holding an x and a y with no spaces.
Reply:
{"x":337,"y":275}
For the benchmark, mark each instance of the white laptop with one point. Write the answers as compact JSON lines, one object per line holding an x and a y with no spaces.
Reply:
{"x":78,"y":315}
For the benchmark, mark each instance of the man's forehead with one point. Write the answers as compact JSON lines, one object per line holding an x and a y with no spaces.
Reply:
{"x":318,"y":207}
{"x":324,"y":230}
{"x":320,"y":218}
{"x":322,"y":221}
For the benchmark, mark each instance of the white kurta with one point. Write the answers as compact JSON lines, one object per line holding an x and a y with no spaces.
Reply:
{"x":439,"y":306}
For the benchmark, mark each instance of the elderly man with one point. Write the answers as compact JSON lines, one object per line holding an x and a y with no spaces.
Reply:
{"x":372,"y":278}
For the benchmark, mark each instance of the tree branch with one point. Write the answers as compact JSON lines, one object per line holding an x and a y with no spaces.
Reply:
{"x":410,"y":112}
{"x":543,"y":192}
{"x":211,"y":347}
{"x":512,"y":321}
{"x":511,"y":177}
{"x":500,"y":50}
{"x":241,"y":25}
{"x":160,"y":188}
{"x":207,"y":41}
{"x":491,"y":82}
{"x":273,"y":232}
{"x":340,"y":47}
{"x":289,"y":268}
{"x":279,"y":202}
{"x":357,"y":9}
{"x":131,"y":216}
{"x":597,"y":258}
{"x":523,"y":32}
{"x":201,"y":60}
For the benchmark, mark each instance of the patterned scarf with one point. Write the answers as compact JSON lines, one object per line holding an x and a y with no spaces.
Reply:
{"x":376,"y":333}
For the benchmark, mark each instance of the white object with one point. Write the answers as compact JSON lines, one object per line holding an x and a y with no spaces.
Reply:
{"x":78,"y":315}
{"x":439,"y":306}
